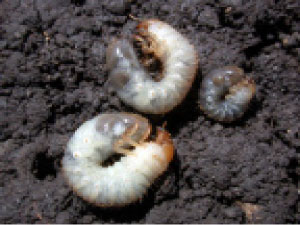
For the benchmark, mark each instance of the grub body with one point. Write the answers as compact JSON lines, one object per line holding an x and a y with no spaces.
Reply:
{"x":226,"y":93}
{"x":128,"y":179}
{"x":133,"y":83}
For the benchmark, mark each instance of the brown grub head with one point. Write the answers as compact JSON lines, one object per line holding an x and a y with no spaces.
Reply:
{"x":143,"y":26}
{"x":163,"y":138}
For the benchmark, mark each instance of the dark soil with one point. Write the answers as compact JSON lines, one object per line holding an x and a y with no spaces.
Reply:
{"x":52,"y":79}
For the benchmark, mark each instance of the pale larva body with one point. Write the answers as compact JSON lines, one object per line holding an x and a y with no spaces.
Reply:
{"x":134,"y":85}
{"x":128,"y":179}
{"x":225,"y":93}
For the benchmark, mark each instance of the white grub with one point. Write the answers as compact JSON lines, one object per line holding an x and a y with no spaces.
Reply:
{"x":133,"y":83}
{"x":225,"y":93}
{"x":128,"y":179}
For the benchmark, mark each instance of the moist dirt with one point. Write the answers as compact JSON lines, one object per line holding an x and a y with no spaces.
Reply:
{"x":52,"y":79}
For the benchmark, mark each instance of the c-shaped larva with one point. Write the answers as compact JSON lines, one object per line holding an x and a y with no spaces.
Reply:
{"x":131,"y":81}
{"x":226,"y":93}
{"x":128,"y":179}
